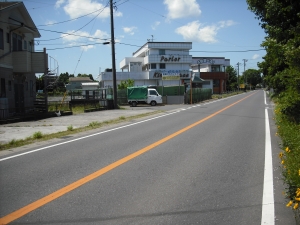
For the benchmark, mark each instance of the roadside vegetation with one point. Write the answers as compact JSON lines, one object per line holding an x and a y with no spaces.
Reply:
{"x":281,"y":72}
{"x":225,"y":95}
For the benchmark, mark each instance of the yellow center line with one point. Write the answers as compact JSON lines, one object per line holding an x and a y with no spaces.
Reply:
{"x":43,"y":201}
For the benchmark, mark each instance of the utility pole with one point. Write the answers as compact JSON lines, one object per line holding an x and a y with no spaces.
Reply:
{"x":245,"y":60}
{"x":238,"y":65}
{"x":112,"y":41}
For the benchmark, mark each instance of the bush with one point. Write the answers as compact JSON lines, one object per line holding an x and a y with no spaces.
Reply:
{"x":37,"y":135}
{"x":289,"y":132}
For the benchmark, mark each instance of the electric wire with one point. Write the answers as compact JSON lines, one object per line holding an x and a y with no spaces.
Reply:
{"x":83,"y":49}
{"x":80,"y":27}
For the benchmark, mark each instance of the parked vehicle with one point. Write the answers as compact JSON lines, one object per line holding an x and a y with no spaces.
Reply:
{"x":143,"y":95}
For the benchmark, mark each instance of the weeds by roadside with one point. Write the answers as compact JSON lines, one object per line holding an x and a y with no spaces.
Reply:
{"x":38,"y":136}
{"x":289,"y":132}
{"x":225,"y":95}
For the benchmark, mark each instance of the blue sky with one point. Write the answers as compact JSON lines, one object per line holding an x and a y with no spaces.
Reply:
{"x":73,"y":31}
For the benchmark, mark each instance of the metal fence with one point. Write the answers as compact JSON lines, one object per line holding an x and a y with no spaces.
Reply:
{"x":197,"y":95}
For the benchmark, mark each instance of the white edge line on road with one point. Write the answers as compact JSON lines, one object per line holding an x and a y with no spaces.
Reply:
{"x":268,"y":210}
{"x":66,"y":142}
{"x":91,"y":135}
{"x":265,"y":98}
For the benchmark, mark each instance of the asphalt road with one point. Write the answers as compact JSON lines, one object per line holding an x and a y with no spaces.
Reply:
{"x":196,"y":165}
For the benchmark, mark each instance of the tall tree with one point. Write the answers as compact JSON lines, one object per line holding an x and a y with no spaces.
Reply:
{"x":231,"y":83}
{"x":281,"y":67}
{"x":253,"y":77}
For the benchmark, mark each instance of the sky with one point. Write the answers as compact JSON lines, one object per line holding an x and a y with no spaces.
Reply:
{"x":73,"y":31}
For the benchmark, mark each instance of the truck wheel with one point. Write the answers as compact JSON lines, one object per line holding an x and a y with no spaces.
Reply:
{"x":133,"y":104}
{"x":153,"y":103}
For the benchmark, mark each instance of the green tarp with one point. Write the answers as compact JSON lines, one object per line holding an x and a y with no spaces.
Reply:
{"x":137,"y":92}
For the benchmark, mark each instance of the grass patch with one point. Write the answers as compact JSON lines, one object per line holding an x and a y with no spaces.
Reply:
{"x":37,"y":135}
{"x":91,"y":126}
{"x":225,"y":95}
{"x":70,"y":128}
{"x":94,"y":124}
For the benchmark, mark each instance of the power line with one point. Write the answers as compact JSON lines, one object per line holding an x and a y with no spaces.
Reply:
{"x":252,"y":50}
{"x":71,"y":19}
{"x":80,"y":27}
{"x":82,"y":49}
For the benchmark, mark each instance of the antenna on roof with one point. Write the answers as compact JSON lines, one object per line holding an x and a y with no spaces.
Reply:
{"x":150,"y":40}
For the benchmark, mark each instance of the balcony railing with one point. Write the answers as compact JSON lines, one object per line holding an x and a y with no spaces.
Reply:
{"x":29,"y":62}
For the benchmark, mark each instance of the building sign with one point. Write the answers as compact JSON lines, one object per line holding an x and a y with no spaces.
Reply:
{"x":170,"y":58}
{"x":206,"y":61}
{"x":171,"y":74}
{"x":170,"y":77}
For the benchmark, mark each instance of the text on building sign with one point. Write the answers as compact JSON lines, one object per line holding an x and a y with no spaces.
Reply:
{"x":171,"y":58}
{"x":207,"y":61}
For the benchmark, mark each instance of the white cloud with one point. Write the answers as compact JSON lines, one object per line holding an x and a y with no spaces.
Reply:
{"x":256,"y":56}
{"x":77,"y":8}
{"x":85,"y":48}
{"x":182,"y":8}
{"x":129,"y":30}
{"x":82,"y":37}
{"x":59,"y":3}
{"x":156,"y":24}
{"x":50,"y":22}
{"x":197,"y":32}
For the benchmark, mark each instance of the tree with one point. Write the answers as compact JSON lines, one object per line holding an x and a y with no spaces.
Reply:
{"x":231,"y":83}
{"x":281,"y":67}
{"x":253,"y":77}
{"x":64,"y":78}
{"x":125,"y":83}
{"x":86,"y":75}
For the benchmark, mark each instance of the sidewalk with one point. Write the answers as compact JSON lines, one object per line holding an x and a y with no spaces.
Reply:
{"x":22,"y":130}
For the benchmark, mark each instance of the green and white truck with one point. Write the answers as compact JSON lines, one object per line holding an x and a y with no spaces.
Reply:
{"x":143,"y":95}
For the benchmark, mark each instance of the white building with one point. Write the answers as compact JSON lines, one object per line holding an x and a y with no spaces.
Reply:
{"x":168,"y":64}
{"x":155,"y":63}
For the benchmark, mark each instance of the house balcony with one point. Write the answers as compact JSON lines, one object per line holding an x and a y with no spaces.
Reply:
{"x":29,"y":62}
{"x":214,"y":75}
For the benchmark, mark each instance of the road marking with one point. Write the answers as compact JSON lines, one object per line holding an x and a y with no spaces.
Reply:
{"x":77,"y":139}
{"x":268,"y":214}
{"x":45,"y":200}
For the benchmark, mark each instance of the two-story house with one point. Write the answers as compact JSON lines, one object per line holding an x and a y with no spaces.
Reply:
{"x":213,"y":71}
{"x":18,"y":60}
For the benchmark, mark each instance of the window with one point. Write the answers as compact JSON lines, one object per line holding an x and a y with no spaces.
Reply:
{"x":31,"y":88}
{"x":153,"y":65}
{"x":26,"y":86}
{"x":17,"y":42}
{"x":9,"y":85}
{"x":25,"y":44}
{"x":162,"y":66}
{"x":1,"y":39}
{"x":162,"y":52}
{"x":7,"y":38}
{"x":215,"y":68}
{"x":30,"y":48}
{"x":2,"y":90}
{"x":152,"y":92}
{"x":216,"y":83}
